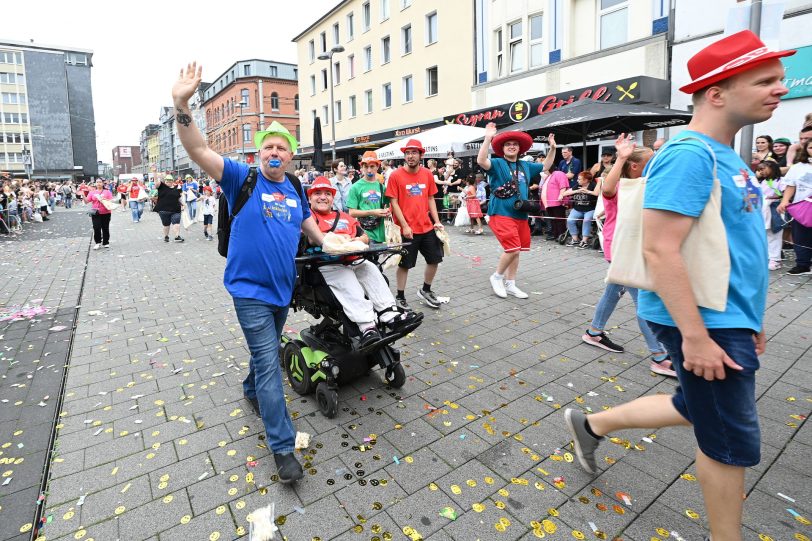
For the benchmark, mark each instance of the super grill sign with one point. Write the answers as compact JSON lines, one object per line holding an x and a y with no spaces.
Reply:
{"x":634,"y":90}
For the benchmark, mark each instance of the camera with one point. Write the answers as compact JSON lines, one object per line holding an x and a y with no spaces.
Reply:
{"x":525,"y":205}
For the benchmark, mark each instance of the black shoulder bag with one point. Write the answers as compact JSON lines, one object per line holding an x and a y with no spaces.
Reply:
{"x":224,"y":218}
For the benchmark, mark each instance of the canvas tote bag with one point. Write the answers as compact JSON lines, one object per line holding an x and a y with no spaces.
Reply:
{"x":704,"y":250}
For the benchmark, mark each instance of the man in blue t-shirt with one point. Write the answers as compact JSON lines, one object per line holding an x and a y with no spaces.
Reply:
{"x":736,"y":82}
{"x":570,"y":166}
{"x":260,"y":269}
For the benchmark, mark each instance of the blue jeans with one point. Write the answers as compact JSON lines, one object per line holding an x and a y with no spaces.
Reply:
{"x":262,"y":325}
{"x":68,"y":202}
{"x":802,"y":238}
{"x":723,"y":411}
{"x":607,"y":304}
{"x":192,"y":209}
{"x":586,"y":227}
{"x":136,"y":215}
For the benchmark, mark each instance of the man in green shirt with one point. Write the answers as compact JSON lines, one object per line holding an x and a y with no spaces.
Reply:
{"x":366,"y":200}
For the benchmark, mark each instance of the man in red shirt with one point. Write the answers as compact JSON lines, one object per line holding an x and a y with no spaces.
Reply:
{"x":411,"y":190}
{"x":355,"y":277}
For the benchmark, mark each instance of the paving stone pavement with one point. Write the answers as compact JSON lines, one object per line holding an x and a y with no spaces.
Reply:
{"x":156,"y":442}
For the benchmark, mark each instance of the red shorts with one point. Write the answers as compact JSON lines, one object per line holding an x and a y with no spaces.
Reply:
{"x":513,"y":234}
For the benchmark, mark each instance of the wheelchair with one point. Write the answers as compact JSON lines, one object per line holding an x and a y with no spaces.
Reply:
{"x":594,"y":240}
{"x":328,"y":354}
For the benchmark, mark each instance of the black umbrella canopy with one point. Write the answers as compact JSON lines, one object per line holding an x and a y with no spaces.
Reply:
{"x":590,"y":119}
{"x":318,"y":151}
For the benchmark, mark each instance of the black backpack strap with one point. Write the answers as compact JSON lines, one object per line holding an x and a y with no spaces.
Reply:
{"x":246,"y":190}
{"x":298,"y":186}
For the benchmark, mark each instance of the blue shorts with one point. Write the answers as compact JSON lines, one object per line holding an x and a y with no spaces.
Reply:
{"x":723,"y":412}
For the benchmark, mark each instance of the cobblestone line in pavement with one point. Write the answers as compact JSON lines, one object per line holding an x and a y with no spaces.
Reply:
{"x":43,"y":267}
{"x":156,"y":442}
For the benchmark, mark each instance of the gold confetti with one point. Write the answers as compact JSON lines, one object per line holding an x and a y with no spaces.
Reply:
{"x":478,"y":507}
{"x":692,"y":514}
{"x":185,"y":519}
{"x":80,"y":534}
{"x":240,"y":504}
{"x":126,"y":488}
{"x":220,"y":510}
{"x":577,"y":534}
{"x":489,"y":480}
{"x":214,"y":536}
{"x":456,"y":489}
{"x":115,"y":471}
{"x":549,"y":526}
{"x":168,"y":498}
{"x":68,"y":515}
{"x":26,"y":527}
{"x":120,"y":509}
{"x":471,"y":483}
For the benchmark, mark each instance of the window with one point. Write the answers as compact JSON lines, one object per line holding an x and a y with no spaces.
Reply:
{"x":387,"y":95}
{"x":614,"y":22}
{"x":244,"y":96}
{"x":274,"y":71}
{"x":246,"y":133}
{"x":386,"y":50}
{"x":9,"y":57}
{"x":497,"y":38}
{"x":313,"y":114}
{"x":337,"y":73}
{"x":516,"y":49}
{"x":296,"y":103}
{"x":336,"y":34}
{"x":405,"y":3}
{"x":246,"y":70}
{"x":76,"y":59}
{"x":384,"y":10}
{"x":12,"y":98}
{"x":337,"y":111}
{"x":274,"y":101}
{"x":367,"y":58}
{"x":368,"y":101}
{"x":12,"y":78}
{"x":406,"y":38}
{"x":408,"y":89}
{"x":312,"y":50}
{"x":536,"y":24}
{"x":351,"y":66}
{"x":324,"y":112}
{"x":323,"y":41}
{"x":312,"y":85}
{"x":353,"y":111}
{"x":367,"y":16}
{"x":350,"y":26}
{"x":431,"y":81}
{"x":324,"y":79}
{"x":431,"y":28}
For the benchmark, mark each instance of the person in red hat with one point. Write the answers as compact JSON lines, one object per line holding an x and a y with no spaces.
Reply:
{"x":359,"y":287}
{"x":366,"y":200}
{"x":509,"y":178}
{"x":735,"y":81}
{"x":411,"y":190}
{"x":209,"y":205}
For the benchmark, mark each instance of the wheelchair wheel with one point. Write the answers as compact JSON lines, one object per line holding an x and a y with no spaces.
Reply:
{"x":327,"y":399}
{"x":298,"y":372}
{"x":562,"y":238}
{"x":396,"y":376}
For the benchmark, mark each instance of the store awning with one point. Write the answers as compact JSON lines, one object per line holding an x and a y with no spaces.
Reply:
{"x":438,"y":142}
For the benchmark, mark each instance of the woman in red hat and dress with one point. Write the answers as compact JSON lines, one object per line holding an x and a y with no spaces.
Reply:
{"x":509,"y":178}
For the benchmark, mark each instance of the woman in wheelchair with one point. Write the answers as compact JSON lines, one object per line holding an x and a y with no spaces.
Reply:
{"x":355,"y":282}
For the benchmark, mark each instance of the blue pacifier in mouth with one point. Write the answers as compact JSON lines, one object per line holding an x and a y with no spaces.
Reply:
{"x":274,"y":162}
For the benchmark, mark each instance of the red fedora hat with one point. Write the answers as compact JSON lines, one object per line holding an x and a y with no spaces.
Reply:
{"x":499,"y":140}
{"x":729,"y":56}
{"x":321,"y":183}
{"x":413,"y":144}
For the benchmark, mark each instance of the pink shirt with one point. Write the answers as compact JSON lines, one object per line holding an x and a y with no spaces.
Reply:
{"x":551,"y":191}
{"x":610,"y":217}
{"x":94,"y":197}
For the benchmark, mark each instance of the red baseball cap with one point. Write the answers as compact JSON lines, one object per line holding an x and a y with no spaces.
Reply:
{"x":321,"y":183}
{"x":413,"y":144}
{"x":727,"y":57}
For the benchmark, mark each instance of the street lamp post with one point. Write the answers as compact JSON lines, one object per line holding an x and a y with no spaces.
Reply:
{"x":329,"y":56}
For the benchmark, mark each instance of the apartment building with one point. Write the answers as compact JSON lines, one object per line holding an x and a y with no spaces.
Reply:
{"x":396,"y":68}
{"x":47,"y":125}
{"x":246,"y":98}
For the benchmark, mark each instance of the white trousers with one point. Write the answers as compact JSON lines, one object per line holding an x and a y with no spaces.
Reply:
{"x":774,"y":243}
{"x":349,"y":283}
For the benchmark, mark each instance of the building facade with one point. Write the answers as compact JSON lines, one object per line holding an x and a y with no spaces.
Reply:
{"x":783,"y":26}
{"x":47,"y":124}
{"x":166,"y":137}
{"x":533,"y":56}
{"x":405,"y":64}
{"x":246,"y":98}
{"x":126,"y":160}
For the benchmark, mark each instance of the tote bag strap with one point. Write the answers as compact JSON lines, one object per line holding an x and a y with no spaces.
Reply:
{"x":675,"y":141}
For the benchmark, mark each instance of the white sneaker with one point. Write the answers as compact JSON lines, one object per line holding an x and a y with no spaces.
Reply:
{"x":774,"y":265}
{"x":96,"y":246}
{"x":515,"y":291}
{"x":498,"y":287}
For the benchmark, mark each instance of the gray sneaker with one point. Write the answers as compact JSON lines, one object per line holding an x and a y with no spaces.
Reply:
{"x":403,"y":304}
{"x":429,"y":298}
{"x":585,"y":444}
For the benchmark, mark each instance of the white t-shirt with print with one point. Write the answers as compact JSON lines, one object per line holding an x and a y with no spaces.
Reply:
{"x":800,"y":176}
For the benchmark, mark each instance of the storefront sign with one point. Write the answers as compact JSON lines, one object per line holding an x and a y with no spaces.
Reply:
{"x":798,"y":68}
{"x":634,"y":90}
